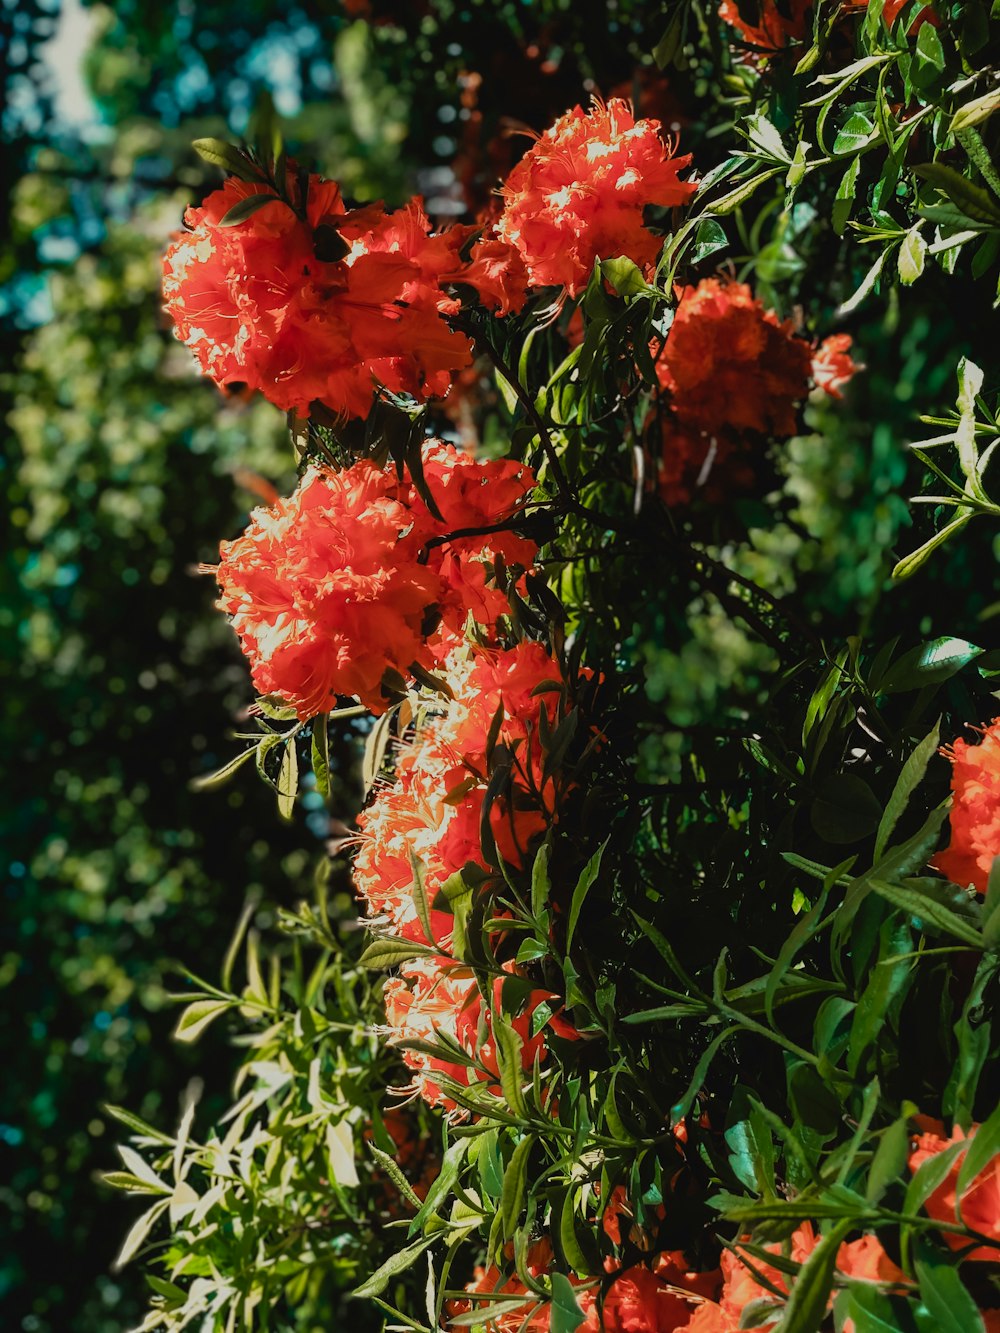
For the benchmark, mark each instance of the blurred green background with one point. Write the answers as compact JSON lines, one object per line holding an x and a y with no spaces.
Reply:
{"x":121,"y":470}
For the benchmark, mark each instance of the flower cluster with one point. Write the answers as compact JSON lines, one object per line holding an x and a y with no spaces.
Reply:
{"x":333,"y":587}
{"x":422,"y":831}
{"x":732,"y":374}
{"x":308,"y":301}
{"x":975,"y":811}
{"x":666,"y":1297}
{"x":579,"y":193}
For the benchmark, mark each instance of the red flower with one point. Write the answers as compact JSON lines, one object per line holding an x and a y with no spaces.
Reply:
{"x":862,"y":1259}
{"x":445,"y":999}
{"x":325,"y":591}
{"x":472,"y":494}
{"x":579,"y":192}
{"x":832,"y":366}
{"x":729,"y":364}
{"x":979,"y":1205}
{"x":780,"y":24}
{"x":975,"y":811}
{"x":259,"y":307}
{"x":433,"y":811}
{"x":639,"y":1302}
{"x":498,"y":273}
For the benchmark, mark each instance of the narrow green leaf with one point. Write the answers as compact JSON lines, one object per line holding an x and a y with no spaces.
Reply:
{"x":515,"y":1180}
{"x":197,"y":1016}
{"x":583,"y":886}
{"x":387,"y":951}
{"x":320,"y":754}
{"x":906,"y":784}
{"x":946,"y":1297}
{"x":245,"y":208}
{"x":288,"y":780}
{"x":396,"y":1263}
{"x":810,"y":1292}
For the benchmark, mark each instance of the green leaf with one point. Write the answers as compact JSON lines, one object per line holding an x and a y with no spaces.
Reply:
{"x":583,"y":885}
{"x":451,"y":1166}
{"x":288,"y":780}
{"x":730,"y":202}
{"x":224,"y":773}
{"x":929,"y":63}
{"x":392,"y":1169}
{"x":976,"y":111}
{"x":387,"y":951}
{"x":983,"y":1148}
{"x":709,"y":238}
{"x":946,"y":1297}
{"x":138,"y":1232}
{"x":810,"y":1292}
{"x":867,"y":285}
{"x":972,"y":199}
{"x":856,"y":132}
{"x":227,"y":156}
{"x":197,"y":1016}
{"x":508,"y":1051}
{"x":911,"y":257}
{"x":540,"y":884}
{"x":890,"y":1159}
{"x":245,"y":208}
{"x":566,"y":1315}
{"x":844,"y":201}
{"x":133,"y":1122}
{"x":420,"y":898}
{"x":669,"y":44}
{"x":766,"y":139}
{"x":624,"y":275}
{"x":396,"y":1263}
{"x":911,"y":563}
{"x":321,"y":754}
{"x":929,"y":664}
{"x":515,"y":1179}
{"x":375,"y":748}
{"x":906,"y":784}
{"x":928,"y":1176}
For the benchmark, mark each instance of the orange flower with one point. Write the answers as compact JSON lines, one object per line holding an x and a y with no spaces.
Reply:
{"x":729,"y":364}
{"x":780,"y":24}
{"x":444,"y":999}
{"x":979,"y":1206}
{"x":327,"y":590}
{"x":639,"y":1302}
{"x":261,"y":304}
{"x":863,"y":1259}
{"x":472,"y":494}
{"x":579,"y":192}
{"x":832,"y":366}
{"x":433,"y":810}
{"x":975,"y":811}
{"x":498,"y":274}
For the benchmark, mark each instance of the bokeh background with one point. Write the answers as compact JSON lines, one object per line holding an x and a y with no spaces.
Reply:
{"x":121,"y":470}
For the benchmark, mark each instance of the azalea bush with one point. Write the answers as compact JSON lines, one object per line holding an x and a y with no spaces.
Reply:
{"x":613,"y":1003}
